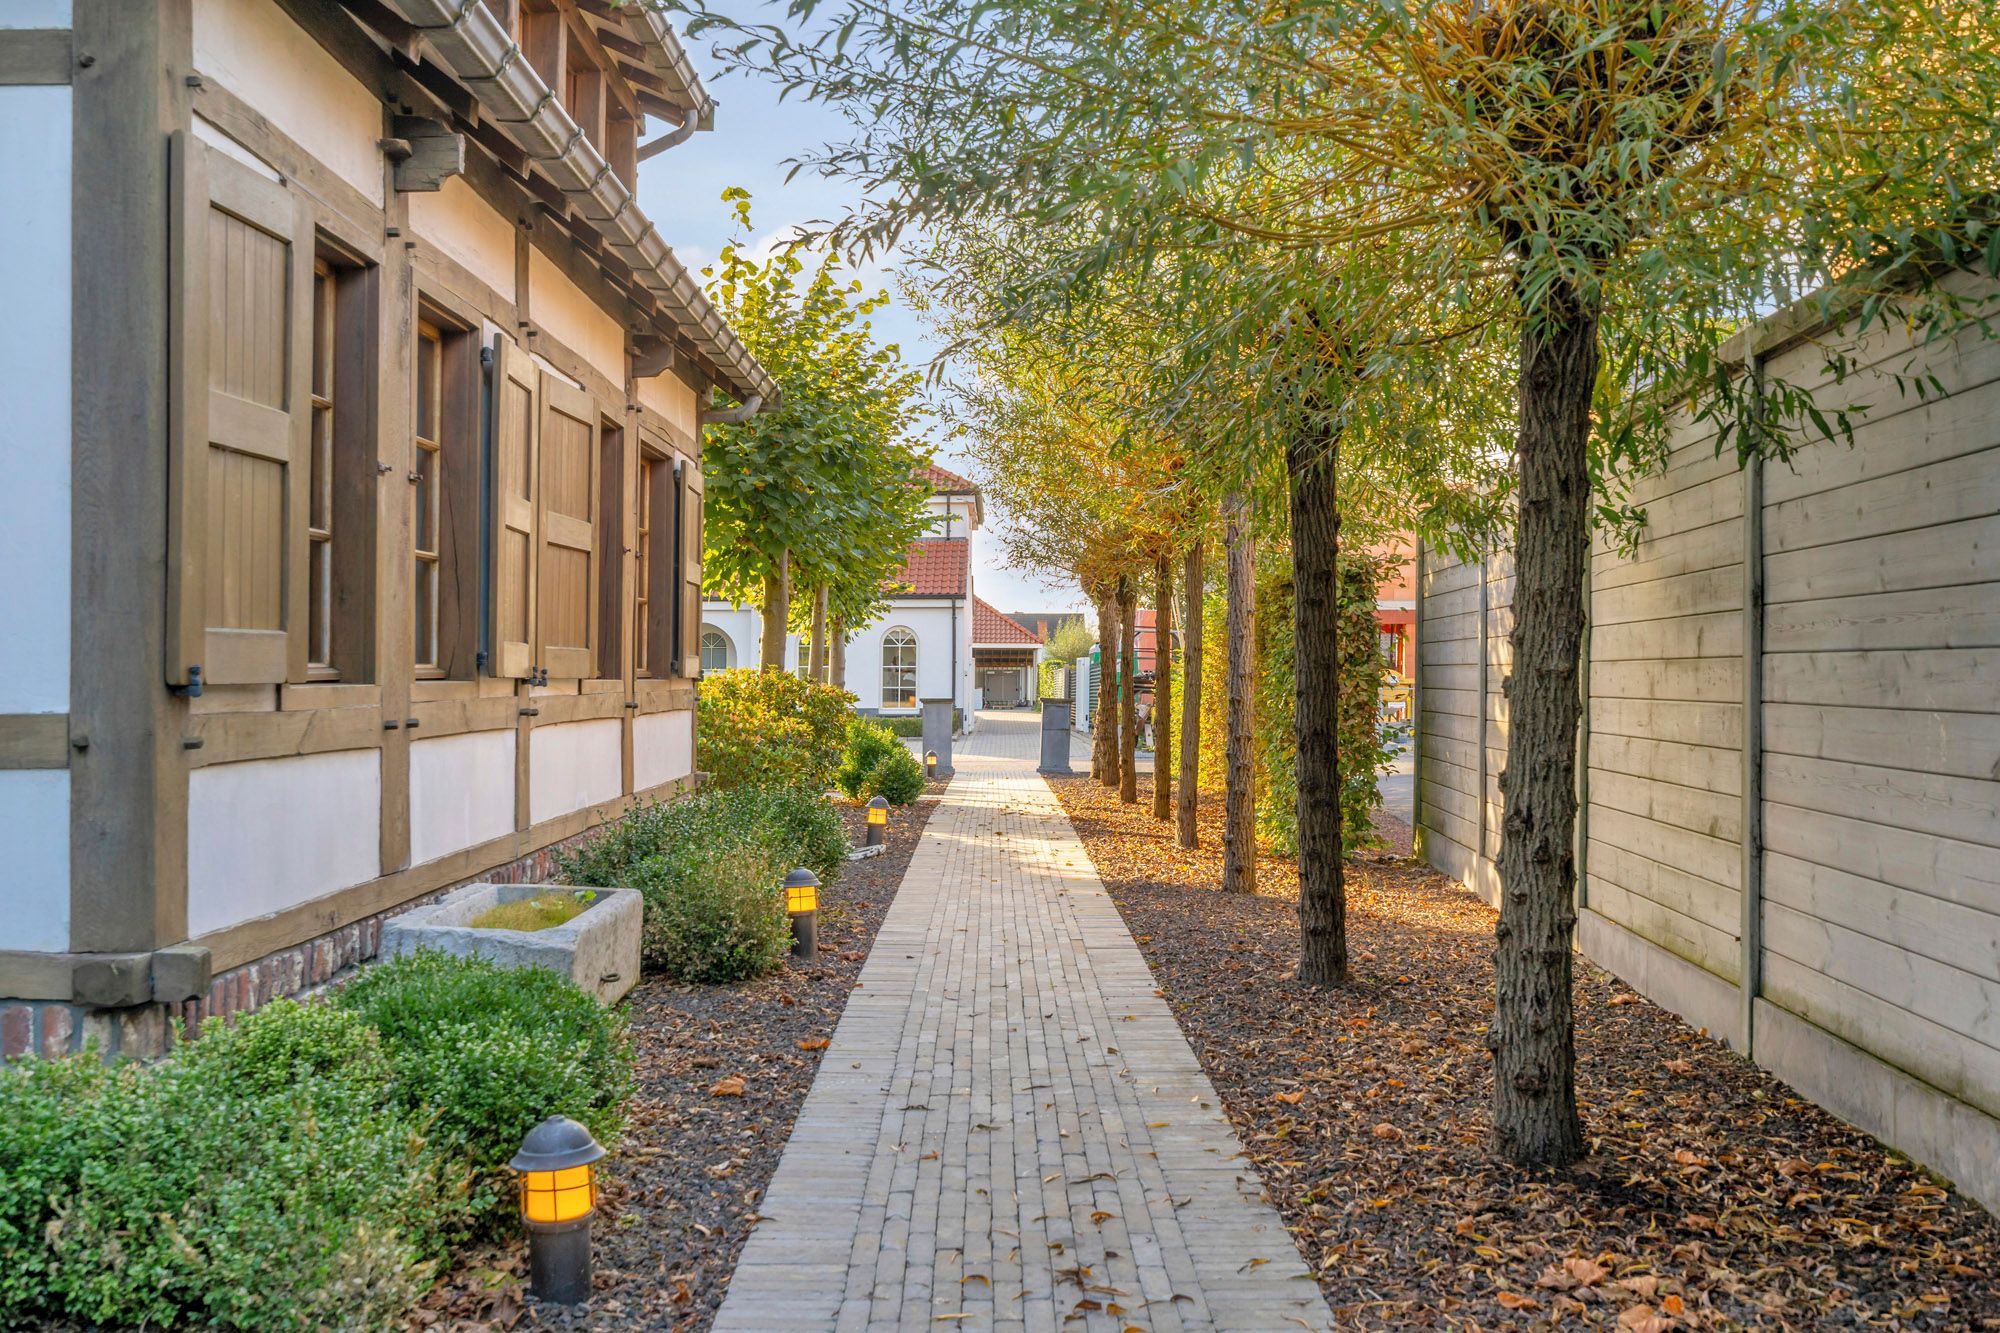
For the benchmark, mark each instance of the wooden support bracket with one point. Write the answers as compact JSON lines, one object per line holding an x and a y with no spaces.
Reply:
{"x":435,"y":154}
{"x":652,"y":355}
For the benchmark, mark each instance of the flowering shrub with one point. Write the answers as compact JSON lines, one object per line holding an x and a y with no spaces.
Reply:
{"x":770,"y":728}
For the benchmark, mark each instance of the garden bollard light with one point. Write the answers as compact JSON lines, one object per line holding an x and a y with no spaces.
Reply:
{"x":878,"y":821}
{"x":558,"y":1198}
{"x":802,"y":905}
{"x":930,"y":765}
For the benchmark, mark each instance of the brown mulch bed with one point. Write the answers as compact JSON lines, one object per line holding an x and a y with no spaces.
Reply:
{"x":1714,"y":1196}
{"x":679,"y":1195}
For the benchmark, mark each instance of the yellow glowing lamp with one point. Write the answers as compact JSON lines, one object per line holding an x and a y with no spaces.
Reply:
{"x":878,"y":812}
{"x":557,"y":1183}
{"x":801,"y":892}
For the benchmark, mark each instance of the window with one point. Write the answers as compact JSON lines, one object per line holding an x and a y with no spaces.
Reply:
{"x":319,"y":505}
{"x":642,"y":566}
{"x":427,"y":476}
{"x":444,"y":481}
{"x":714,"y":651}
{"x":899,"y":669}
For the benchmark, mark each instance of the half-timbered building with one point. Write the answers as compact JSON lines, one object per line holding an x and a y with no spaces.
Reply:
{"x":352,"y":531}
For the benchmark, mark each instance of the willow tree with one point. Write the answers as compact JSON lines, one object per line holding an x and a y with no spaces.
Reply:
{"x":818,"y":493}
{"x":1613,"y":187}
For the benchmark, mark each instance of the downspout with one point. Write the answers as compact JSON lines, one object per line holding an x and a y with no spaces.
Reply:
{"x":737,"y":415}
{"x":670,"y":139}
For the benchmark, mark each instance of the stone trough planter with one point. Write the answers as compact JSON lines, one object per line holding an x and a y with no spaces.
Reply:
{"x":598,"y":948}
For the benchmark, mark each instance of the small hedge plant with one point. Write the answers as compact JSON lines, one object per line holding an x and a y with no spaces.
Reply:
{"x":308,"y":1168}
{"x":897,"y":776}
{"x":770,"y":728}
{"x":484,"y":1053}
{"x":868,"y":743}
{"x":709,"y":867}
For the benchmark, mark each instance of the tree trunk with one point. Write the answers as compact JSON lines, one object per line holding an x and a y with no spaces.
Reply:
{"x":1533,"y":1033}
{"x":1239,"y":819}
{"x":1128,"y":694}
{"x":1104,"y":720}
{"x":777,"y":611}
{"x":1163,"y":689}
{"x":1185,"y":832}
{"x":837,"y":653}
{"x":1310,"y":466}
{"x":816,"y":662}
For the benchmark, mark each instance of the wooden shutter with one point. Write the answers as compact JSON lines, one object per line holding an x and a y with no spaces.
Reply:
{"x":516,"y":481}
{"x":566,"y":600}
{"x":242,"y":351}
{"x":690,"y":532}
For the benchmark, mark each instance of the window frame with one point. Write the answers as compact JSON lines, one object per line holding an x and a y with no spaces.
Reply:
{"x":701,"y":648}
{"x":453,"y":491}
{"x":909,"y":640}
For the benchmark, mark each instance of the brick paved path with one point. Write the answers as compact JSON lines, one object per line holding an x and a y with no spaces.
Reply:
{"x":1009,"y":1130}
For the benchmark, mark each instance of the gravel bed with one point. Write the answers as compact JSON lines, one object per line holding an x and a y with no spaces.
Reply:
{"x":1714,"y":1196}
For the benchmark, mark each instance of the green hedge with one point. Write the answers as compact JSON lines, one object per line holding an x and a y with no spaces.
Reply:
{"x":710,"y":868}
{"x":770,"y":728}
{"x":308,"y":1168}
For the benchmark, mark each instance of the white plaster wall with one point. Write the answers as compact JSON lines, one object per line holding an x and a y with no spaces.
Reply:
{"x":672,"y":399}
{"x":662,"y":748}
{"x":273,"y":833}
{"x":573,"y":319}
{"x":572,"y":765}
{"x":468,"y":229}
{"x":744,"y":627}
{"x":931,"y":622}
{"x":34,"y":828}
{"x":251,"y":48}
{"x":35,"y":398}
{"x":461,"y":792}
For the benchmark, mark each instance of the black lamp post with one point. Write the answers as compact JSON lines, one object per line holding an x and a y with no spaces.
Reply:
{"x":878,"y":821}
{"x":802,"y":906}
{"x":558,"y":1199}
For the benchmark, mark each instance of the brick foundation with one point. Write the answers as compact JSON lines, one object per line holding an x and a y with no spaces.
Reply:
{"x":145,"y":1032}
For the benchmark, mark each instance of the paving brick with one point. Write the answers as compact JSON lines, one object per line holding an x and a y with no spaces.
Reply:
{"x":1033,"y":1107}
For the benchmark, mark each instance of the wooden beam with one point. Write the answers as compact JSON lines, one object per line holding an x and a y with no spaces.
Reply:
{"x":128,"y":789}
{"x":584,"y":33}
{"x":35,"y":56}
{"x":34,"y":740}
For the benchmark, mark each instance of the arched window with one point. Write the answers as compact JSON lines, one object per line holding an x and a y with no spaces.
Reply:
{"x":714,"y":650}
{"x":899,"y":669}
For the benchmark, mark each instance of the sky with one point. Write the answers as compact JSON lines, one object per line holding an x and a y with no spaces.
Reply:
{"x":755,"y":135}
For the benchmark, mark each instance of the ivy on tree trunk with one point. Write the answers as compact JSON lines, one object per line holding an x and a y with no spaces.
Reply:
{"x":1533,"y":1035}
{"x":1239,"y":822}
{"x":1310,"y":465}
{"x":1128,"y":692}
{"x":1104,"y":718}
{"x":1163,"y":689}
{"x":1185,"y":831}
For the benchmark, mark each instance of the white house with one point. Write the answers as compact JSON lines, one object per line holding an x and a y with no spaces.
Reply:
{"x":937,"y":639}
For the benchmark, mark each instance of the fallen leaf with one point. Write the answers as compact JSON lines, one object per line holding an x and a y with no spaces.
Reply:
{"x":1626,"y":998}
{"x":1587,"y":1272}
{"x":1642,"y":1286}
{"x":1680,"y":1068}
{"x":813,"y":1044}
{"x":727,"y":1087}
{"x":1288,"y":1098}
{"x":1385,"y":1130}
{"x":1513,"y":1302}
{"x":1644,"y":1319}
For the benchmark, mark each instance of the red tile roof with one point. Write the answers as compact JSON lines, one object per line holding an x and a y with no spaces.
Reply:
{"x":992,"y":626}
{"x":944,"y":479}
{"x":936,"y":567}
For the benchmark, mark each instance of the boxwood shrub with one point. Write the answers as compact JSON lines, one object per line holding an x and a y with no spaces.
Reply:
{"x":482,"y":1053}
{"x":308,"y":1168}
